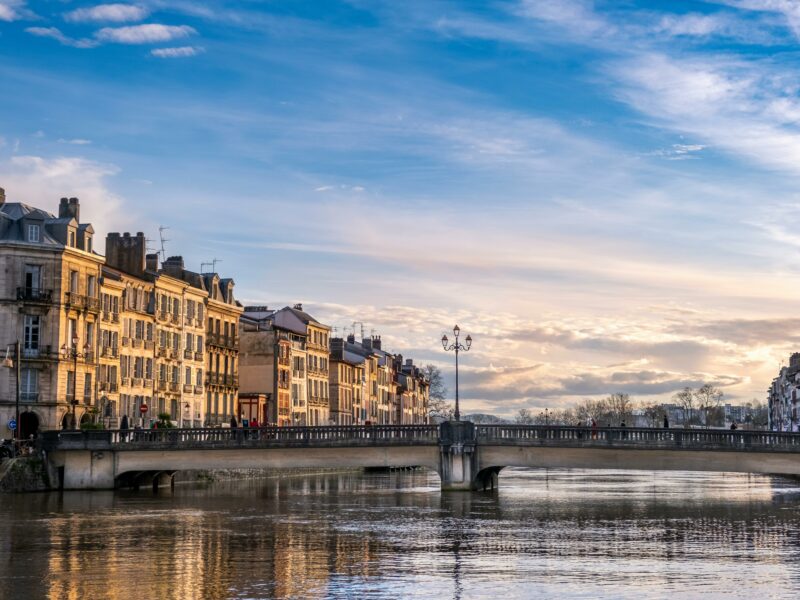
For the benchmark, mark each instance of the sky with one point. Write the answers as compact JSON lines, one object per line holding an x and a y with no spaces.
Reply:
{"x":601,"y":193}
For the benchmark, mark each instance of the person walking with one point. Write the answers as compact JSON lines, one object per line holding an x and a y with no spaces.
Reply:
{"x":234,"y":425}
{"x":666,"y":422}
{"x":594,"y":429}
{"x":733,"y":426}
{"x":123,"y":428}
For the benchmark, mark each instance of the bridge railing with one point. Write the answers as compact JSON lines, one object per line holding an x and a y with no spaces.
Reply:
{"x":697,"y":439}
{"x":262,"y":437}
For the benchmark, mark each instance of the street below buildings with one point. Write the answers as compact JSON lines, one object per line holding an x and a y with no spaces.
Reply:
{"x":544,"y":533}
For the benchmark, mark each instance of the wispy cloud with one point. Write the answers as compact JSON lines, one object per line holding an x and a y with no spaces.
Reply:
{"x":75,"y":141}
{"x":108,"y":13}
{"x":13,"y":10}
{"x":56,"y":34}
{"x":144,"y":34}
{"x":179,"y":52}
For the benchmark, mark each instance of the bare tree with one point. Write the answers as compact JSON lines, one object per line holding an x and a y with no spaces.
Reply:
{"x":685,"y":399}
{"x":619,"y":407}
{"x":439,"y":409}
{"x":708,"y":400}
{"x":524,"y":417}
{"x":653,"y":412}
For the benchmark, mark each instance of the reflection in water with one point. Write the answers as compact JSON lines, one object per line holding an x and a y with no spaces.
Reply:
{"x":544,"y":533}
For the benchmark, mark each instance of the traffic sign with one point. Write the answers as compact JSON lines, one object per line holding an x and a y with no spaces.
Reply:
{"x":143,"y":408}
{"x":12,"y":424}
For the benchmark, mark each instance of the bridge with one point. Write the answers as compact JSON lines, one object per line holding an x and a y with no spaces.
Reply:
{"x":466,"y":456}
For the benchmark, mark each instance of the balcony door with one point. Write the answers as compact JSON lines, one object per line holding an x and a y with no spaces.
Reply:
{"x":33,"y":280}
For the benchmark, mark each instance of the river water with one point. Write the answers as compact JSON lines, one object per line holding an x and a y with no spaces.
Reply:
{"x":552,"y":534}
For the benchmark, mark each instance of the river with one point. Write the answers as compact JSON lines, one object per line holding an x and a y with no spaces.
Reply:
{"x":551,"y":534}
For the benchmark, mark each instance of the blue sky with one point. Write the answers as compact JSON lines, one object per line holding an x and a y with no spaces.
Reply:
{"x":602,"y":193}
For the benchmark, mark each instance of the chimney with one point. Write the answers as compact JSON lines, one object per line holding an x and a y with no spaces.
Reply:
{"x":126,"y":252}
{"x":794,"y":360}
{"x":151,"y":262}
{"x":351,"y":338}
{"x":2,"y":196}
{"x":174,"y":266}
{"x":69,"y":208}
{"x":337,"y":348}
{"x":298,"y":306}
{"x":376,"y":342}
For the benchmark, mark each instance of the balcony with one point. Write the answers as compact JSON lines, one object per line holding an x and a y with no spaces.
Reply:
{"x":126,"y":381}
{"x":284,"y":361}
{"x":161,"y":352}
{"x":162,"y":386}
{"x":162,"y":315}
{"x":29,"y":396}
{"x":149,"y":345}
{"x":109,"y":352}
{"x":188,"y":388}
{"x":37,"y":295}
{"x":198,"y":356}
{"x":137,"y":343}
{"x":174,"y":386}
{"x":176,"y":319}
{"x":222,"y":341}
{"x":198,"y":389}
{"x":81,"y":302}
{"x":126,"y":341}
{"x":115,"y":317}
{"x":138,"y":382}
{"x":188,"y":354}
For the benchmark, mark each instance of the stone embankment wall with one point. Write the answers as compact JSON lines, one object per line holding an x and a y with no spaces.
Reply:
{"x":25,"y":474}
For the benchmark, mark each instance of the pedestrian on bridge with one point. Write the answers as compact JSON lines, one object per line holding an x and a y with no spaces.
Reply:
{"x":234,"y":425}
{"x":594,"y":429}
{"x":666,"y":422}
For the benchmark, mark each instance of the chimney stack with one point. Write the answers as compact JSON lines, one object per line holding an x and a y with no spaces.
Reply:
{"x":2,"y":196}
{"x":376,"y":342}
{"x":298,"y":306}
{"x":69,"y":208}
{"x":151,"y":262}
{"x":126,"y":252}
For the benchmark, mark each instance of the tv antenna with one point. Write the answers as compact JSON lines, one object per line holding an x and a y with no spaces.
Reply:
{"x":362,"y":328}
{"x":212,"y":263}
{"x":163,"y":251}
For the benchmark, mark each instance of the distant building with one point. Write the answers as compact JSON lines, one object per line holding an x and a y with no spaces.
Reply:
{"x":782,"y":397}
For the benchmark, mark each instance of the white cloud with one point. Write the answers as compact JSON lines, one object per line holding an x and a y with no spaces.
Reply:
{"x":113,"y":13}
{"x":75,"y":141}
{"x":144,"y":34}
{"x":13,"y":10}
{"x":42,"y":181}
{"x":788,"y":9}
{"x":56,"y":34}
{"x":179,"y":52}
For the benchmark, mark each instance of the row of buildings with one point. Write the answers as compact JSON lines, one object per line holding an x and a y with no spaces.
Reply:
{"x":128,"y":334}
{"x":782,"y":397}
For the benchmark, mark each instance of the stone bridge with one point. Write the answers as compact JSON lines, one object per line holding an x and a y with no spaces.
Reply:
{"x":465,"y":455}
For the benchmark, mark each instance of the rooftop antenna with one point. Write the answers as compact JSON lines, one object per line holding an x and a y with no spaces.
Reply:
{"x":212,"y":264}
{"x":163,"y":251}
{"x":362,"y":328}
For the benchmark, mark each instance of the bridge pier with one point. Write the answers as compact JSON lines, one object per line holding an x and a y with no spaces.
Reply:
{"x":458,"y":457}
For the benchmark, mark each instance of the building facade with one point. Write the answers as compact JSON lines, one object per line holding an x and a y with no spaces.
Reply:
{"x":782,"y":397}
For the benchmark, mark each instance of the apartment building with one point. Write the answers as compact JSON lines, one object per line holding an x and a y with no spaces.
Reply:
{"x":49,"y":302}
{"x":346,"y":384}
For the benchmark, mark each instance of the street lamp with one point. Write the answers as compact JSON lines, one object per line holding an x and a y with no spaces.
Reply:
{"x":15,"y":364}
{"x":186,"y":410}
{"x":72,"y":352}
{"x":457,"y":347}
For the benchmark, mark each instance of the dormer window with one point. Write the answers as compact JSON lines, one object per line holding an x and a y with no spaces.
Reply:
{"x":72,"y":239}
{"x":34,"y":233}
{"x":88,"y":244}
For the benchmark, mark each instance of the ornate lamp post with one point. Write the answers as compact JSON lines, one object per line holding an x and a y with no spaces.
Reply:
{"x":72,"y":352}
{"x":16,"y":364}
{"x":457,"y":347}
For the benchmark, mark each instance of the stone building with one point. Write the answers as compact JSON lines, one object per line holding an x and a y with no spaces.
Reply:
{"x":782,"y":397}
{"x":346,"y":384}
{"x":265,"y":361}
{"x":49,"y":301}
{"x":286,"y":354}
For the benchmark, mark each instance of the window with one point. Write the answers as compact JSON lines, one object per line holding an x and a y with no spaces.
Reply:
{"x":188,"y":379}
{"x":31,"y":332}
{"x":91,"y":286}
{"x":90,"y":334}
{"x":33,"y":278}
{"x":72,"y":239}
{"x":73,"y":282}
{"x":199,"y":378}
{"x":88,"y":243}
{"x":72,"y":332}
{"x":33,"y":233}
{"x":87,"y":388}
{"x":29,"y":385}
{"x":70,"y":385}
{"x":148,"y":368}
